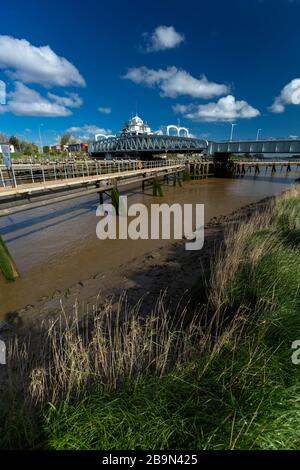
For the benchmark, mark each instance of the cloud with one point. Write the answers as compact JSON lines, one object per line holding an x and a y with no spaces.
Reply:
{"x":24,"y":101}
{"x":88,"y":131}
{"x":173,"y":82}
{"x":225,"y":109}
{"x":162,"y":38}
{"x":290,"y":94}
{"x":104,"y":110}
{"x":2,"y":92}
{"x":71,"y":100}
{"x":31,"y":64}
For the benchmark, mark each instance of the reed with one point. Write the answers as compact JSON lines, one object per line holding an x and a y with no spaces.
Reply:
{"x":124,"y":378}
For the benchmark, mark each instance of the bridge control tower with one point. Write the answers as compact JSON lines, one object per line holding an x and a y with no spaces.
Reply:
{"x":136,"y":126}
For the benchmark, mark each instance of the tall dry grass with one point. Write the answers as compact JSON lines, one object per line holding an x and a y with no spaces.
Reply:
{"x":65,"y":358}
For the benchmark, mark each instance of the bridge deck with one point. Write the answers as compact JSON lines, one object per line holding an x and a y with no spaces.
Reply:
{"x":282,"y":146}
{"x":268,"y":163}
{"x":28,"y":188}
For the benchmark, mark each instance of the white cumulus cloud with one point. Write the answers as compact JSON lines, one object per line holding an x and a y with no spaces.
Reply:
{"x":24,"y":101}
{"x":31,"y":64}
{"x":162,"y":38}
{"x":173,"y":82}
{"x":290,"y":94}
{"x":88,"y":131}
{"x":104,"y":110}
{"x":225,"y":109}
{"x":71,"y":100}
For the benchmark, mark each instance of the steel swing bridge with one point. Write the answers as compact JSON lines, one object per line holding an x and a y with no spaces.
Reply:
{"x":133,"y":145}
{"x":151,"y":144}
{"x":130,"y":154}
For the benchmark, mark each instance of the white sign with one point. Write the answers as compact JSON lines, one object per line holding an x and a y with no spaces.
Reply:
{"x":6,"y":155}
{"x":2,"y":352}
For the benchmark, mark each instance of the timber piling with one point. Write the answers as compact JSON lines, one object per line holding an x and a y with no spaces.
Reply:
{"x":7,"y":264}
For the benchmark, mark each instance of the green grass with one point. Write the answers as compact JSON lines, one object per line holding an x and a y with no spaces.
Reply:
{"x":241,"y":391}
{"x":245,"y":397}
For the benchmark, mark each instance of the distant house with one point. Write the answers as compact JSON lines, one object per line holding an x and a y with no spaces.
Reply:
{"x":12,"y":148}
{"x":78,"y":147}
{"x":58,"y":148}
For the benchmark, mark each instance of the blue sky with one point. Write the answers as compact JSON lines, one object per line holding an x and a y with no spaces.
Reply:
{"x":207,"y":63}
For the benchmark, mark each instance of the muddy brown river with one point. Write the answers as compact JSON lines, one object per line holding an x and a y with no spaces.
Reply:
{"x":56,"y":247}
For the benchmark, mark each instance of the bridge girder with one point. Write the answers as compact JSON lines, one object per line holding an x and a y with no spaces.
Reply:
{"x":155,"y":143}
{"x":255,"y":146}
{"x":147,"y":143}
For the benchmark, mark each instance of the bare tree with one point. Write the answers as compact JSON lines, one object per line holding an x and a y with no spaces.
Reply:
{"x":65,"y":138}
{"x":3,"y":138}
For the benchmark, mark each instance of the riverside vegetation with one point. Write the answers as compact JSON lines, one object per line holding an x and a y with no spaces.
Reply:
{"x":215,"y":376}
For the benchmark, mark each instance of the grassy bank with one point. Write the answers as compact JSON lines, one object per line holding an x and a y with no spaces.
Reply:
{"x":221,"y":378}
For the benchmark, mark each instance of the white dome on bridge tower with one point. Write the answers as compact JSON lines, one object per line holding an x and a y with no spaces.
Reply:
{"x":136,"y":126}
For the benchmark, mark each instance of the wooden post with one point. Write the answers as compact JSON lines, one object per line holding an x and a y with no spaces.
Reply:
{"x":115,"y":195}
{"x":186,"y":175}
{"x":7,"y":264}
{"x":143,"y":182}
{"x":157,"y":189}
{"x":100,"y":193}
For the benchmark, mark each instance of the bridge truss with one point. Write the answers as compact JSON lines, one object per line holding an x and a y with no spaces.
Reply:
{"x":124,"y":144}
{"x":255,"y":146}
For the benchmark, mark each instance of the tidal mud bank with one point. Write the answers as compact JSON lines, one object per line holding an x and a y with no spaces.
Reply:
{"x":169,"y":269}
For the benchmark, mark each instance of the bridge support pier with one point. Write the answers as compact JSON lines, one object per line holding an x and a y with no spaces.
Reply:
{"x":224,"y":168}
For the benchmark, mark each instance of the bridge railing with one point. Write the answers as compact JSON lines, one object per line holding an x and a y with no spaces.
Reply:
{"x":36,"y":173}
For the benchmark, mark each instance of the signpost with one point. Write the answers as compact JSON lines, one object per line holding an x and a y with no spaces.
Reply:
{"x":6,"y":155}
{"x":5,"y":148}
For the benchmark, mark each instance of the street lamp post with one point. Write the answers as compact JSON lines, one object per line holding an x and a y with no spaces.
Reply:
{"x":257,"y":135}
{"x":40,"y":134}
{"x":231,"y":133}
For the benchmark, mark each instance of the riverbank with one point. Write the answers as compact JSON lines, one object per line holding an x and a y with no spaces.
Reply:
{"x":169,"y":269}
{"x":218,"y":376}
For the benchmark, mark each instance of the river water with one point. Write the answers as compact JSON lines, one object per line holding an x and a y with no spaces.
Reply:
{"x":56,"y":246}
